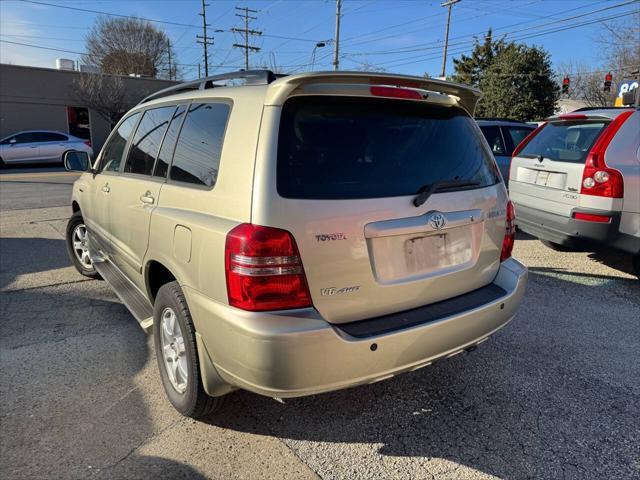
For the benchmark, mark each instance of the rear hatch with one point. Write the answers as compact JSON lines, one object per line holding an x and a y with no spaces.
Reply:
{"x":547,"y":172}
{"x":345,"y":173}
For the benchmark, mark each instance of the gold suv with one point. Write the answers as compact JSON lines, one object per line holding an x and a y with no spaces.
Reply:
{"x":291,"y":235}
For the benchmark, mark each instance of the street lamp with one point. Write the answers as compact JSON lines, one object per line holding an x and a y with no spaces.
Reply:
{"x":313,"y":53}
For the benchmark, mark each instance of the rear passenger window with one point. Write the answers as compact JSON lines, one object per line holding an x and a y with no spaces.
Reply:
{"x":146,"y":141}
{"x":169,"y":142}
{"x":518,"y":134}
{"x":197,"y":155}
{"x":51,"y":137}
{"x":112,"y":152}
{"x":494,"y":139}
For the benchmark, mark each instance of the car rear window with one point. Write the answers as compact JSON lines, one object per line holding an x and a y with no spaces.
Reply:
{"x":348,"y":148}
{"x":565,"y":141}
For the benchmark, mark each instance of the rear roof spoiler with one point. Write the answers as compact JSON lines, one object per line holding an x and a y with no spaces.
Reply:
{"x":281,"y":88}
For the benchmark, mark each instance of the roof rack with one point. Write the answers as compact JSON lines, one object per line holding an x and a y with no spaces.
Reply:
{"x":250,"y":77}
{"x":499,"y":119}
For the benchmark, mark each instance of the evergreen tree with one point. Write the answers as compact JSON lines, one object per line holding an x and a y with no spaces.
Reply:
{"x":516,"y":80}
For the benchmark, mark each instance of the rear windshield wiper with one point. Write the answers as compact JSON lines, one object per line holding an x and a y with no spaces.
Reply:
{"x":427,"y":190}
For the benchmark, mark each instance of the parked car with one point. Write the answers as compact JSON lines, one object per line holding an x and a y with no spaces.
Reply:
{"x":299,"y":234}
{"x":40,"y":146}
{"x":576,"y":181}
{"x":503,"y":136}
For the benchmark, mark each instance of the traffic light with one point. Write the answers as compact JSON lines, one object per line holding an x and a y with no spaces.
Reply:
{"x":607,"y":82}
{"x":565,"y":85}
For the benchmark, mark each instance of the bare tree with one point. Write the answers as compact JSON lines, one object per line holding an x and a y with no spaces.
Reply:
{"x":622,"y":41}
{"x":125,"y":46}
{"x":105,"y":94}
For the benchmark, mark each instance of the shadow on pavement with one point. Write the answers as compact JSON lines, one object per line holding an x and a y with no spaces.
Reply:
{"x":551,"y":396}
{"x":21,"y":256}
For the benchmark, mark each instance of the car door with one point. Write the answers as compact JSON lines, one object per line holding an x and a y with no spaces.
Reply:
{"x":96,"y":209}
{"x":135,"y":193}
{"x":52,"y":146}
{"x":497,"y":145}
{"x":21,"y":148}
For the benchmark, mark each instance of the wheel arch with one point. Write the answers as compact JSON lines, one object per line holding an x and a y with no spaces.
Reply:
{"x":157,"y":274}
{"x":75,"y":206}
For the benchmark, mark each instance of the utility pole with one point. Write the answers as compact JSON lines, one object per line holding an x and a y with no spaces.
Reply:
{"x":203,"y":39}
{"x":169,"y":51}
{"x":246,"y":32}
{"x":448,"y":4}
{"x":199,"y":75}
{"x":336,"y":47}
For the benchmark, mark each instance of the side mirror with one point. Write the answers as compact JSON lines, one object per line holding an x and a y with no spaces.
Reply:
{"x":76,"y":161}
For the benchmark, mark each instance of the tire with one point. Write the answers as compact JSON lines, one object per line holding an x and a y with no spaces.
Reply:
{"x":77,"y":255}
{"x":556,"y":246}
{"x":635,"y":261}
{"x":185,"y":392}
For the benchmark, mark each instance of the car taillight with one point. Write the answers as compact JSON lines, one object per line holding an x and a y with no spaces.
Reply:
{"x":597,"y":178}
{"x":395,"y":92}
{"x":87,"y":143}
{"x":509,"y":234}
{"x":590,"y":217}
{"x":264,"y":270}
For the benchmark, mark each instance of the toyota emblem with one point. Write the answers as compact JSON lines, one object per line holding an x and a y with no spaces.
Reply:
{"x":437,"y":221}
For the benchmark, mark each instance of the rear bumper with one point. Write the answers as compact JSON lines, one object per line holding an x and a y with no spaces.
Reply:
{"x":297,"y":353}
{"x":571,"y":232}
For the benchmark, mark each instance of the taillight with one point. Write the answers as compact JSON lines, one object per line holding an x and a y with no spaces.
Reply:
{"x":597,"y":178}
{"x":394,"y":92}
{"x":509,"y":234}
{"x":87,"y":143}
{"x":590,"y":217}
{"x":264,"y":270}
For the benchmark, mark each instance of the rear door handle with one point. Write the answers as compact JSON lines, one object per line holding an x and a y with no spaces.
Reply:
{"x":147,"y":198}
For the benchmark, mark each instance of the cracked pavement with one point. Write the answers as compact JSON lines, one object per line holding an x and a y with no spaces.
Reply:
{"x":556,"y":394}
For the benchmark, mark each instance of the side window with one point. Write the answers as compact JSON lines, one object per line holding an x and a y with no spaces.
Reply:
{"x":517,"y":134}
{"x":197,"y":155}
{"x":26,"y":137}
{"x":113,"y":150}
{"x":166,"y":151}
{"x":494,"y":139}
{"x":51,"y":137}
{"x":146,"y":141}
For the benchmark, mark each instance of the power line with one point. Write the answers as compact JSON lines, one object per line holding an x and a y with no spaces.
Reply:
{"x":109,"y":14}
{"x":41,"y":47}
{"x":247,"y":33}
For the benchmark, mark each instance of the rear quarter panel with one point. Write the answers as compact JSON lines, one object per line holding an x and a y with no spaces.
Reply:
{"x":202,"y":216}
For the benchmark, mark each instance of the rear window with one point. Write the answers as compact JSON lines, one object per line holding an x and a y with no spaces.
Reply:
{"x":566,"y":141}
{"x":348,"y":148}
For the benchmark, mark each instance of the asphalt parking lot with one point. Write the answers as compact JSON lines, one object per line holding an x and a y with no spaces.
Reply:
{"x":556,"y":394}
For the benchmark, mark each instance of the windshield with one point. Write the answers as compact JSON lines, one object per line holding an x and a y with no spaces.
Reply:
{"x":566,"y":141}
{"x":350,"y":147}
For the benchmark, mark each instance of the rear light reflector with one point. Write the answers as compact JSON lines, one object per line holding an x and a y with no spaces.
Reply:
{"x":589,"y":217}
{"x":394,"y":92}
{"x":87,"y":143}
{"x":264,"y":270}
{"x":597,"y":179}
{"x":509,"y":234}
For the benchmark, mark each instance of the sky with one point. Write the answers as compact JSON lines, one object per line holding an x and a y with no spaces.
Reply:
{"x":401,"y":36}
